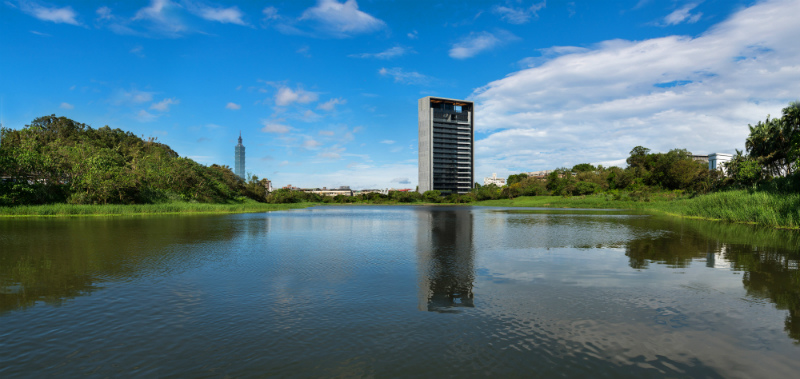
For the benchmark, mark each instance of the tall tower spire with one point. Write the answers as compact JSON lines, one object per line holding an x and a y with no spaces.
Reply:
{"x":239,"y":167}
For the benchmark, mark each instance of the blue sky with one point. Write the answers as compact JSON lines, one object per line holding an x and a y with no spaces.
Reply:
{"x":325,"y":92}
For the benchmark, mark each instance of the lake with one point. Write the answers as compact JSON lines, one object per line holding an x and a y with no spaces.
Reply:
{"x":395,"y":291}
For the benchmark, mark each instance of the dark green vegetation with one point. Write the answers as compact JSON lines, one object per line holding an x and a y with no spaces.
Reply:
{"x":58,"y":160}
{"x":61,"y":209}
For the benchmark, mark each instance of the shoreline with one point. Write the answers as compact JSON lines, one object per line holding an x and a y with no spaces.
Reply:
{"x":735,"y":207}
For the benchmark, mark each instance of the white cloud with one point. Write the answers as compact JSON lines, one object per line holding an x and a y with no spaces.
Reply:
{"x":163,"y":105}
{"x":310,"y":116}
{"x":304,"y":51}
{"x":67,"y":106}
{"x":328,"y":133}
{"x":138,"y":51}
{"x":163,"y":18}
{"x":393,"y":52}
{"x":233,"y":106}
{"x":104,"y":13}
{"x":518,"y":15}
{"x":341,"y":20}
{"x":413,"y":35}
{"x":131,"y":97}
{"x":477,"y":43}
{"x":230,"y":15}
{"x":402,"y":76}
{"x":63,"y":15}
{"x":332,"y":153}
{"x":311,"y":144}
{"x":401,"y":181}
{"x":683,"y":14}
{"x":144,"y":116}
{"x":40,"y":33}
{"x":286,"y":96}
{"x":330,"y":104}
{"x":274,"y":126}
{"x":387,"y":141}
{"x":595,"y":105}
{"x":270,"y":13}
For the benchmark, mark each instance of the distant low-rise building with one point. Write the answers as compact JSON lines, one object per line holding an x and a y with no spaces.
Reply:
{"x":716,"y":160}
{"x":494,"y":180}
{"x":324,"y":191}
{"x":539,"y":174}
{"x":366,"y":191}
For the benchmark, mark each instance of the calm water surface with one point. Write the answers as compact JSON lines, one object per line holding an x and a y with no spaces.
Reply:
{"x":397,"y":291}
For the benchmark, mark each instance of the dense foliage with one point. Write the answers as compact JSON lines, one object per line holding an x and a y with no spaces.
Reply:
{"x":55,"y":159}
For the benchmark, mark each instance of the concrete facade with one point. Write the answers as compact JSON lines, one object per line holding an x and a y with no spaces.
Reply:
{"x":494,"y":180}
{"x":715,"y":161}
{"x":446,"y":145}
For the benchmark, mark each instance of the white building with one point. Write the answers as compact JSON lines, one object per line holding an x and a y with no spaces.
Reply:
{"x":716,"y":160}
{"x":494,"y":180}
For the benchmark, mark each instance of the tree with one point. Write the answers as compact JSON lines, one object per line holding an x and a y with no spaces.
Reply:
{"x":583,"y":167}
{"x":775,"y":143}
{"x":516,"y":178}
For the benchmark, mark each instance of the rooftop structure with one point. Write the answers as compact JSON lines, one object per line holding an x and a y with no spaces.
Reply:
{"x":446,"y":139}
{"x":494,"y":180}
{"x":715,"y":161}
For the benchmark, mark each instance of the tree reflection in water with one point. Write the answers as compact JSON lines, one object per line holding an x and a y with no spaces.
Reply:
{"x":445,"y":259}
{"x":768,"y":258}
{"x":74,"y":257}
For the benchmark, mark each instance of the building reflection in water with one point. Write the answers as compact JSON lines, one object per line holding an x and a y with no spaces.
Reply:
{"x":445,"y":259}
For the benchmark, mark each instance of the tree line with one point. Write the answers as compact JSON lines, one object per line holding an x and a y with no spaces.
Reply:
{"x":56,"y":160}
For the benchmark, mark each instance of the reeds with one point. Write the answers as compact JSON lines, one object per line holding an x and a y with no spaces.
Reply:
{"x":133,"y":209}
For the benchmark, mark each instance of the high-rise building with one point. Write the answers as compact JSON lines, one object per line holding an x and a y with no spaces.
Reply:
{"x":239,"y":167}
{"x":446,"y":154}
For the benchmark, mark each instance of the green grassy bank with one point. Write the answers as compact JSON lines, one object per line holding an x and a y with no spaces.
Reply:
{"x":134,"y":209}
{"x":775,"y":210}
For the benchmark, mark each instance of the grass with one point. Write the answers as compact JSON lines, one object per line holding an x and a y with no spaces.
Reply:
{"x":58,"y":210}
{"x":776,"y":210}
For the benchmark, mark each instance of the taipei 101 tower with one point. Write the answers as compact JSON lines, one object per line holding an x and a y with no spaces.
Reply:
{"x":239,"y":168}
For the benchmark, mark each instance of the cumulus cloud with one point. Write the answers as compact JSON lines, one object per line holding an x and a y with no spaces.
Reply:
{"x":270,"y":13}
{"x":393,"y":52}
{"x":407,"y":77}
{"x":286,"y":96}
{"x":311,"y":144}
{"x":274,"y":126}
{"x":233,"y":106}
{"x":330,"y":104}
{"x":595,"y":105}
{"x":477,"y":43}
{"x":51,"y":13}
{"x":67,"y":106}
{"x":230,"y":15}
{"x":163,"y":105}
{"x":121,"y":97}
{"x":145,"y":116}
{"x":683,"y":15}
{"x":518,"y":15}
{"x":162,"y":18}
{"x":341,"y":20}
